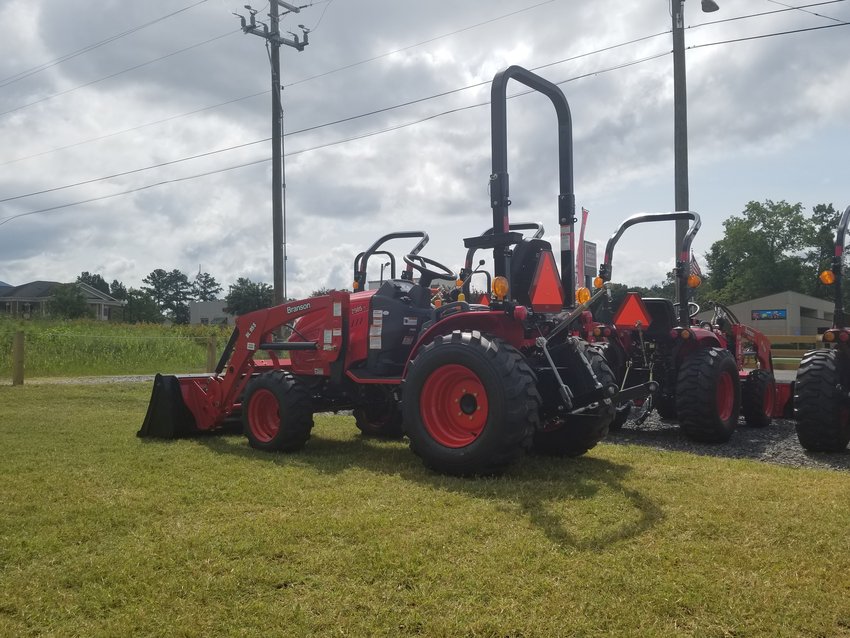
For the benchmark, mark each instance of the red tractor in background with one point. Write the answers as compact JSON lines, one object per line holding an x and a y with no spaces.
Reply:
{"x":821,"y":399}
{"x":688,"y":371}
{"x":471,"y":385}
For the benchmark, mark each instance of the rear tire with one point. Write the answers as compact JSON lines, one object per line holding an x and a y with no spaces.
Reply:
{"x":277,"y":413}
{"x":823,"y":415}
{"x":470,"y":404}
{"x":758,"y":396}
{"x":708,"y":395}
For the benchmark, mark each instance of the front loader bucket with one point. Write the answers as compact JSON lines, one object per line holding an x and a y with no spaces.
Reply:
{"x":167,"y":416}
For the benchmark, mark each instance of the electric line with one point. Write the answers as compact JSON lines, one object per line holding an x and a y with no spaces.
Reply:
{"x":418,"y":44}
{"x":112,"y":75}
{"x":803,"y":9}
{"x":49,"y":209}
{"x":200,"y":110}
{"x":768,"y":35}
{"x":369,"y":113}
{"x":134,"y":128}
{"x":767,"y":13}
{"x":411,"y":102}
{"x":91,"y":47}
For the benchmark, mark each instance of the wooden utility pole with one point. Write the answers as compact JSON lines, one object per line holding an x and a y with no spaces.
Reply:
{"x":271,"y":33}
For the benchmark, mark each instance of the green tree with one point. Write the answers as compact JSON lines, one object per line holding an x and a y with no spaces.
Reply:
{"x":821,"y":247}
{"x":760,"y":252}
{"x":247,"y":296}
{"x":141,"y":308}
{"x":205,"y":287}
{"x":117,"y":290}
{"x":68,"y":302}
{"x":171,"y":291}
{"x":94,"y":280}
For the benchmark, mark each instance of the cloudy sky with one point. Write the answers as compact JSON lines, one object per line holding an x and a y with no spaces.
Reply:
{"x":388,"y":128}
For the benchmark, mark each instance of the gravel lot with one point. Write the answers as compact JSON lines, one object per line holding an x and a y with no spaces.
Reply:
{"x":776,"y":443}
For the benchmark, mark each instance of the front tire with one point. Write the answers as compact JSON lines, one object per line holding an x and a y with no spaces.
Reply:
{"x":470,"y":404}
{"x":708,"y":395}
{"x":277,"y":414}
{"x":758,"y":396}
{"x":823,"y":415}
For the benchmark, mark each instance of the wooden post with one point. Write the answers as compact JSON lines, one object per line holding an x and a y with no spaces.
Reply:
{"x":18,"y":358}
{"x":211,"y":359}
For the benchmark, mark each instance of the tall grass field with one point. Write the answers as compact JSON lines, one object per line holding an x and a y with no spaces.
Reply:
{"x":88,"y":347}
{"x":105,"y":534}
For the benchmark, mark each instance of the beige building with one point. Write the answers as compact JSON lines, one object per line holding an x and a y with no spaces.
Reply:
{"x":784,"y":313}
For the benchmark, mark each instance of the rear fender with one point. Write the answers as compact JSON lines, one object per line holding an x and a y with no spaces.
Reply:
{"x":491,"y":322}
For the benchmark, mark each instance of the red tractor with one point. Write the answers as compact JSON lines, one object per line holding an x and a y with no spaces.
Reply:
{"x":821,"y":399}
{"x":663,"y":358}
{"x":471,"y":385}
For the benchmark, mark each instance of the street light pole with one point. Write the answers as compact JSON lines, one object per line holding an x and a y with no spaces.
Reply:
{"x":680,"y":114}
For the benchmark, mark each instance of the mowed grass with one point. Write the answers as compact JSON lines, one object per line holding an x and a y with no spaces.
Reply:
{"x":104,"y":534}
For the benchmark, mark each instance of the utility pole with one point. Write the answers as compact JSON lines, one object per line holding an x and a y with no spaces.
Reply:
{"x":680,"y":117}
{"x":271,"y":33}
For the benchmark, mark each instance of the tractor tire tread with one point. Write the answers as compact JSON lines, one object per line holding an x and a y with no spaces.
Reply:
{"x":696,"y":395}
{"x":822,"y":419}
{"x":518,"y":386}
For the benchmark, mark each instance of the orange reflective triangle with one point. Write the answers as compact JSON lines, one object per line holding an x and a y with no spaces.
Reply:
{"x":632,"y":314}
{"x":546,"y":293}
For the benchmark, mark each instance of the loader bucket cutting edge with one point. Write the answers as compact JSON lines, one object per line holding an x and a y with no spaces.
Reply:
{"x":167,"y":417}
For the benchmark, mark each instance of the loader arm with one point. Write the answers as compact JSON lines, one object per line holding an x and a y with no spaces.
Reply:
{"x":204,"y":402}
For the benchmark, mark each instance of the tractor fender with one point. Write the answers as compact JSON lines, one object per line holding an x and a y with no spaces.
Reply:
{"x":491,"y":322}
{"x":701,"y":340}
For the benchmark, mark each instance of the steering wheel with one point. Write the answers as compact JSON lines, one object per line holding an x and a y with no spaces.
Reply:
{"x":420,"y":264}
{"x":693,"y":308}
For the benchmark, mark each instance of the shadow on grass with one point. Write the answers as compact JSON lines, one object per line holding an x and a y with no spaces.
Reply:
{"x":542,"y":488}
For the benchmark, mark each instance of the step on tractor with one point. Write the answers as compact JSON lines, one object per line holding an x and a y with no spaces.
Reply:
{"x":665,"y":359}
{"x":471,"y":385}
{"x":822,"y":388}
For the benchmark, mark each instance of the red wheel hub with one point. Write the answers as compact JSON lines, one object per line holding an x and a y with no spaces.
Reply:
{"x":264,"y":415}
{"x":725,"y":396}
{"x":453,"y":405}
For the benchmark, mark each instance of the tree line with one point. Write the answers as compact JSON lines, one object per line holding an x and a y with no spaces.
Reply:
{"x":164,"y":295}
{"x":769,"y":247}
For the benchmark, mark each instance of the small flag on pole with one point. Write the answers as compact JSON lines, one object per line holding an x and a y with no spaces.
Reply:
{"x":695,"y":269}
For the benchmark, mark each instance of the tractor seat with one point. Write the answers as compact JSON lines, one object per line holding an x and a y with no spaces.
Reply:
{"x":662,"y":317}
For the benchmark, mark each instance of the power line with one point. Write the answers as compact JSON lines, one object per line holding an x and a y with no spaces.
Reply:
{"x":91,"y":47}
{"x":767,"y":13}
{"x":411,"y":102}
{"x":49,"y":209}
{"x":418,"y":44}
{"x":112,"y":75}
{"x":768,"y":35}
{"x":340,"y":121}
{"x":134,"y":128}
{"x":803,"y":9}
{"x":245,"y":97}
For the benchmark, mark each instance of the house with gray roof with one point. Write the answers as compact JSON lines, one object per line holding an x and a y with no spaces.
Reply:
{"x":31,"y":300}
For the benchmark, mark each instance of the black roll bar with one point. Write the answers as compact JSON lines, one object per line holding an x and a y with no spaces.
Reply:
{"x":361,"y":261}
{"x":838,"y":317}
{"x":682,"y":262}
{"x":499,"y":188}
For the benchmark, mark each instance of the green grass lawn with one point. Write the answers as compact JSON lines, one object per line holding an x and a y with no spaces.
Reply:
{"x":104,"y":534}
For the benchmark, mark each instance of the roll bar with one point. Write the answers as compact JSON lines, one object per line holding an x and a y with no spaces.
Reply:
{"x":682,"y":261}
{"x":499,"y":188}
{"x":840,"y":234}
{"x":362,"y":259}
